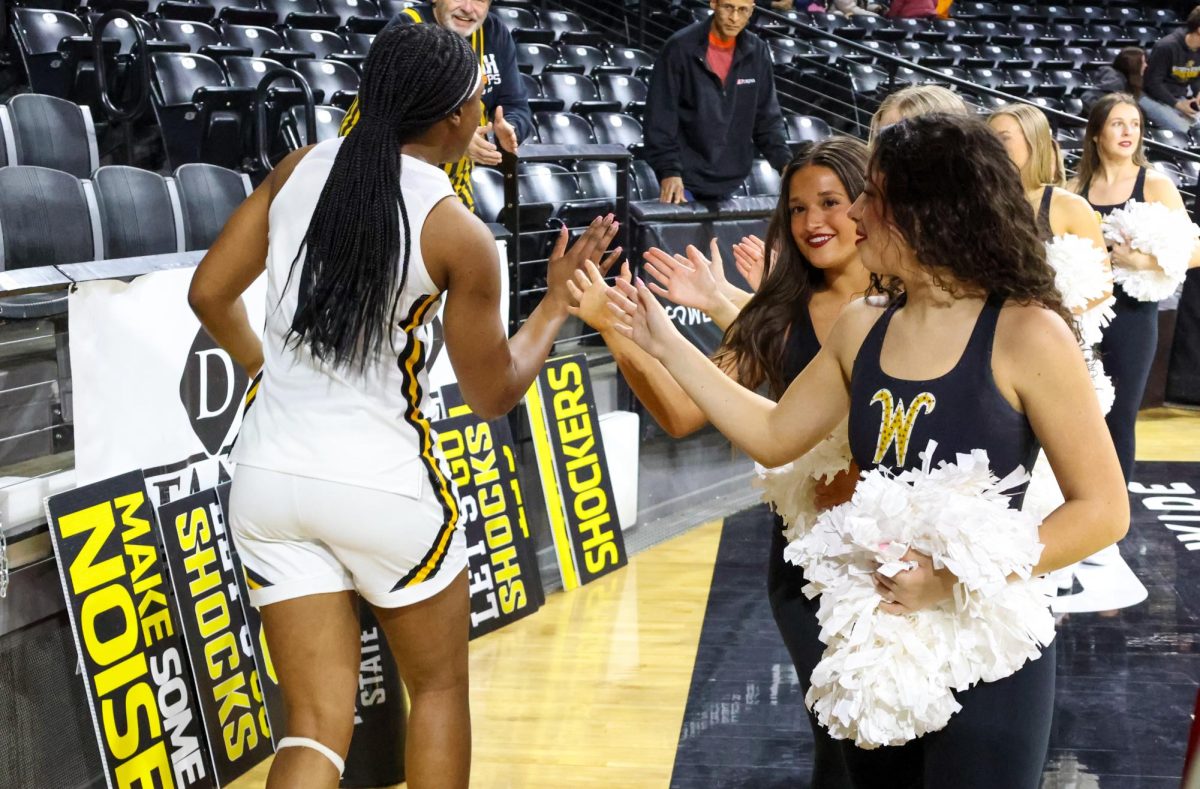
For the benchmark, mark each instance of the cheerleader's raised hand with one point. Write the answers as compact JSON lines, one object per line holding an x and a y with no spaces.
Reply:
{"x":641,"y":318}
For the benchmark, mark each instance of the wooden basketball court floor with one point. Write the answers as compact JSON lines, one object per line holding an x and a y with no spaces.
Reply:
{"x":591,"y":690}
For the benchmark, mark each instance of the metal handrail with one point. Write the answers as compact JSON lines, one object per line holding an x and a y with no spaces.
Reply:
{"x":138,"y":55}
{"x":260,"y":112}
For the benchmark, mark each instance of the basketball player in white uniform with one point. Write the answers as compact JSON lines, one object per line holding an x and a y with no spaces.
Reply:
{"x":339,"y":489}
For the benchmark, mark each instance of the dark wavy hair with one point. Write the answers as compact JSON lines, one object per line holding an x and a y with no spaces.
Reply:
{"x":357,"y":247}
{"x":754,"y":346}
{"x":950,"y":189}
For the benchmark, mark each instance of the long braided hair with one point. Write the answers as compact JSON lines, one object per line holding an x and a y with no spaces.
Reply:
{"x":413,"y":77}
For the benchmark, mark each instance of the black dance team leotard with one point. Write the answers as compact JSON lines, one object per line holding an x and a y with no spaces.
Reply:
{"x":1127,"y":351}
{"x":796,"y":615}
{"x":1045,"y":232}
{"x":999,"y":738}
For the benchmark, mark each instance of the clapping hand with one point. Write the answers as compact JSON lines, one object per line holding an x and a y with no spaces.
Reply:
{"x":564,"y":261}
{"x":684,"y":280}
{"x":641,"y":317}
{"x":749,"y":255}
{"x":590,"y":294}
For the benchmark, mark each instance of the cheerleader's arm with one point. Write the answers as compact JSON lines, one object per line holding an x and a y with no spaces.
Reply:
{"x":1038,"y":360}
{"x":771,"y":434}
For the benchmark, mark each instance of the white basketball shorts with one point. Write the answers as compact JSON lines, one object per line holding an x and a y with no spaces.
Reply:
{"x":300,"y":536}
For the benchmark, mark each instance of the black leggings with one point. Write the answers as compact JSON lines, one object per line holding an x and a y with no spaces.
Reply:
{"x":1127,"y":352}
{"x":796,"y":617}
{"x":998,"y":740}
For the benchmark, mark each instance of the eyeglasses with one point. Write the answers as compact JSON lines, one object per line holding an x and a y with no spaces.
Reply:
{"x":733,"y":10}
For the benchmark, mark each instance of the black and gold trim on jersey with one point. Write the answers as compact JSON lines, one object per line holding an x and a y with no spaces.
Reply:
{"x":412,"y":362}
{"x":254,"y":580}
{"x":459,"y":172}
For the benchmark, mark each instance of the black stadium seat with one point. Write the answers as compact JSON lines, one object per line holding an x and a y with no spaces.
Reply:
{"x":616,"y":128}
{"x":598,"y":180}
{"x":52,"y":132}
{"x":632,"y":57}
{"x":647,"y":182}
{"x":244,"y":72}
{"x":629,"y":92}
{"x":328,"y":122}
{"x":533,"y":58}
{"x":321,"y":43}
{"x":358,"y":16}
{"x":337,"y":82}
{"x":242,"y":12}
{"x":578,"y":93}
{"x":137,"y":212}
{"x":763,"y":179}
{"x":44,"y":217}
{"x":56,"y":51}
{"x":306,"y":14}
{"x":488,"y":184}
{"x":257,"y":39}
{"x":568,"y":27}
{"x":208,"y":195}
{"x":563,"y":128}
{"x":587,"y":59}
{"x":359,"y":43}
{"x":803,"y":128}
{"x":194,"y":35}
{"x":516,"y":18}
{"x":203,"y":117}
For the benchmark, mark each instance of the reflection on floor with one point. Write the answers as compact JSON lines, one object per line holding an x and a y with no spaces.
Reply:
{"x":1127,"y":676}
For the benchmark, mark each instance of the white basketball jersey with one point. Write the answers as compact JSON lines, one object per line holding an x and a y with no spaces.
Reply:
{"x":309,"y":418}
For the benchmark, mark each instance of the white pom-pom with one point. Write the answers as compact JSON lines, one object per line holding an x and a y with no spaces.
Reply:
{"x":1093,"y":322}
{"x":790,"y":489}
{"x":886,"y":679}
{"x":1079,"y":271}
{"x":1043,"y":496}
{"x":1166,"y":234}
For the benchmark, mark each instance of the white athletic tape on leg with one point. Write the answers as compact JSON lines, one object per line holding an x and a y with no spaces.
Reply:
{"x":306,"y":742}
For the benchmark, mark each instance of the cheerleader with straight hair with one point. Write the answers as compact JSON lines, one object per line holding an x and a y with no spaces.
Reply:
{"x":1113,"y":174}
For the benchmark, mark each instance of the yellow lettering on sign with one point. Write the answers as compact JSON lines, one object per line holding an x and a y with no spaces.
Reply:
{"x":85,"y":572}
{"x":150,"y":769}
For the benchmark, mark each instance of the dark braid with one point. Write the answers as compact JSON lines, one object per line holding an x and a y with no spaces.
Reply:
{"x":413,"y":77}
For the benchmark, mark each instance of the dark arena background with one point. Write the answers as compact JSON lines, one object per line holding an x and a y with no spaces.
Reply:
{"x":131,"y":129}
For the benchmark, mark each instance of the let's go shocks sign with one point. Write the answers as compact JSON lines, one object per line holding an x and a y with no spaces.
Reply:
{"x":134,"y":665}
{"x":574,"y":471}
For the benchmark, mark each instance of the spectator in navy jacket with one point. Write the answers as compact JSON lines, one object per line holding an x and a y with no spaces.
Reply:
{"x":712,"y":102}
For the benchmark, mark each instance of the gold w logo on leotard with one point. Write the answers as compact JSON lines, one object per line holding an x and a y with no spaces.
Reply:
{"x":896,"y":423}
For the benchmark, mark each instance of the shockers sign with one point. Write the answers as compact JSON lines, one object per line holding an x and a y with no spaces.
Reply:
{"x":151,"y":388}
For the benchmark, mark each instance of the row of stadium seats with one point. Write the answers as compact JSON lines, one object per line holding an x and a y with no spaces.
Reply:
{"x":534,"y":58}
{"x":1054,"y":32}
{"x":49,"y":217}
{"x":950,"y":53}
